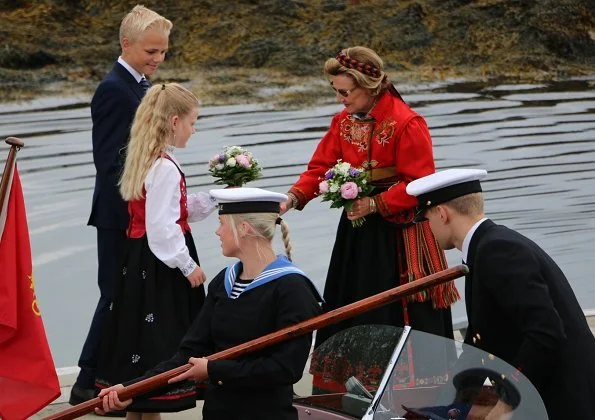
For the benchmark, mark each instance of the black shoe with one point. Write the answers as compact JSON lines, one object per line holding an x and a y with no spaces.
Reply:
{"x":79,"y":395}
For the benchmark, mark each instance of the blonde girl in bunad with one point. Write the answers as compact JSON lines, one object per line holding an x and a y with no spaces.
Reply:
{"x":160,"y":290}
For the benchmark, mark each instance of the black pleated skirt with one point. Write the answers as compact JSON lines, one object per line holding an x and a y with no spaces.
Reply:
{"x":368,"y":260}
{"x":153,"y":308}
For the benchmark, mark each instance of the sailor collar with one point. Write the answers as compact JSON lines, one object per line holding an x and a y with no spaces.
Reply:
{"x":275,"y":270}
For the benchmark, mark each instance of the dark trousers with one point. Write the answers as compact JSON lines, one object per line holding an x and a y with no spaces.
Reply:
{"x":110,"y":247}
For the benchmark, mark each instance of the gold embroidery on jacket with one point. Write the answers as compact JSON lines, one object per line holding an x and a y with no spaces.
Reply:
{"x":384,"y":132}
{"x":356,"y":132}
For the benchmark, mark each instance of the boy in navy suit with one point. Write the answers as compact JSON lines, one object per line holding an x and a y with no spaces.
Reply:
{"x":520,"y":306}
{"x":144,"y":37}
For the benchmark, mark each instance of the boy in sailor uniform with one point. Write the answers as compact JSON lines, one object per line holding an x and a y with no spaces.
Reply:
{"x":259,"y":294}
{"x":519,"y":303}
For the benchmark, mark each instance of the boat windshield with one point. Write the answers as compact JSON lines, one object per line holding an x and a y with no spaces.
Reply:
{"x":382,"y":372}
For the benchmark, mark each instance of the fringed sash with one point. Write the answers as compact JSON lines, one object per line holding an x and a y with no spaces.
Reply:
{"x":424,"y":257}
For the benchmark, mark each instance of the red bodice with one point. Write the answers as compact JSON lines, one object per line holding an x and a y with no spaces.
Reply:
{"x":136,"y":210}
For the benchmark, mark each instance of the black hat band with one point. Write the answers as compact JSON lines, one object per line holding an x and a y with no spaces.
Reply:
{"x":250,"y":207}
{"x":442,"y":195}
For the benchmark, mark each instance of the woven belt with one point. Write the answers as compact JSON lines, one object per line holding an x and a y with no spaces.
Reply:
{"x":377,"y":174}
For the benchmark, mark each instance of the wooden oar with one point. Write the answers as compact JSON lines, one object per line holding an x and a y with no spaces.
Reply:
{"x":304,"y":327}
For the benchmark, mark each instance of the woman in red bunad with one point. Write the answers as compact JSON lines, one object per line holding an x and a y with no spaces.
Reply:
{"x":377,"y":131}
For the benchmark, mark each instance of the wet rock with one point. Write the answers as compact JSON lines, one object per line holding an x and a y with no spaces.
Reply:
{"x":562,"y":27}
{"x":256,"y":53}
{"x":301,"y":60}
{"x":333,"y":6}
{"x":11,"y":4}
{"x":297,"y":36}
{"x":406,"y":29}
{"x":14,"y":57}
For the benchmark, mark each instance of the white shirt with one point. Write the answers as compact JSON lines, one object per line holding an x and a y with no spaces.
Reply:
{"x":133,"y":72}
{"x":162,"y":210}
{"x":468,"y":236}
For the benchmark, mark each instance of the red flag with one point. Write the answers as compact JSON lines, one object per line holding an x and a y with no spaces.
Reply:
{"x":28,"y":380}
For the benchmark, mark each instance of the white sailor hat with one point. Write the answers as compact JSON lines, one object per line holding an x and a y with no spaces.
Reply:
{"x":444,"y":186}
{"x":247,"y":200}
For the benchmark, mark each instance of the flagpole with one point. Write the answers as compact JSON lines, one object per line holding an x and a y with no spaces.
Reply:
{"x":15,"y":146}
{"x":287,"y":333}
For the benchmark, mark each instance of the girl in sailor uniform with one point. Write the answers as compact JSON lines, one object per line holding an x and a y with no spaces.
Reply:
{"x":259,"y":294}
{"x":160,"y":291}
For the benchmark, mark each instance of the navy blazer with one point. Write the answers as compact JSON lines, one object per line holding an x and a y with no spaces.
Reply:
{"x":522,"y":309}
{"x":113,"y":108}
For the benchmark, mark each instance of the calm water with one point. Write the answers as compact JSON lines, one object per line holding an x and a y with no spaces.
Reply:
{"x":536,"y":141}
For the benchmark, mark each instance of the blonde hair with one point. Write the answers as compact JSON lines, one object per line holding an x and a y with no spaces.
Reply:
{"x":141,"y":19}
{"x":151,"y":132}
{"x":375,"y":85}
{"x":264,"y":227}
{"x":467,"y":205}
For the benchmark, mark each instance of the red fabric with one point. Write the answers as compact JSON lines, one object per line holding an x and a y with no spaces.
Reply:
{"x":423,"y":257}
{"x":28,"y":380}
{"x":136,"y":214}
{"x":136,"y":210}
{"x":399,"y":138}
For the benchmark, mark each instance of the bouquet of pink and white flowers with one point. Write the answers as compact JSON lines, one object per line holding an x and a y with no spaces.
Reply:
{"x":234,"y":167}
{"x":342,"y":184}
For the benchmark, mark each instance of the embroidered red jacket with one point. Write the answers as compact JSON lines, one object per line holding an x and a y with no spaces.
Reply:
{"x":396,"y":137}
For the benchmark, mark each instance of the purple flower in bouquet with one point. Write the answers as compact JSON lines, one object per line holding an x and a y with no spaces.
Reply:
{"x":353,"y":172}
{"x":349,"y":190}
{"x":216,"y":162}
{"x":329,"y":174}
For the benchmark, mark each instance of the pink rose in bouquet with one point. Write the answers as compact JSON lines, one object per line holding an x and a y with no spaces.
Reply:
{"x":243,"y":160}
{"x":349,"y":190}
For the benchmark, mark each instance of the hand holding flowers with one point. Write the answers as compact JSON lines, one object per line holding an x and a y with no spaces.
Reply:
{"x":343,"y":185}
{"x":234,"y":167}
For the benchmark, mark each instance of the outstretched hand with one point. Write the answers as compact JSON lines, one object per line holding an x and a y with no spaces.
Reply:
{"x":285,"y":206}
{"x":111,"y":401}
{"x":198,"y":371}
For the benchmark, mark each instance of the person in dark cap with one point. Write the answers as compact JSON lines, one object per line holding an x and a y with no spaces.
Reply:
{"x":259,"y":294}
{"x":520,"y":306}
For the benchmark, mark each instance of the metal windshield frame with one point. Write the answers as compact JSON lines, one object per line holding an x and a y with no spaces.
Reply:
{"x":387,"y":373}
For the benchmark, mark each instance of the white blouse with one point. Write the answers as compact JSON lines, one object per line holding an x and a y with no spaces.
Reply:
{"x":162,"y":210}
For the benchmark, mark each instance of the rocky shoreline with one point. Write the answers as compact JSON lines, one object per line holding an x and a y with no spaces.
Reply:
{"x":249,"y":51}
